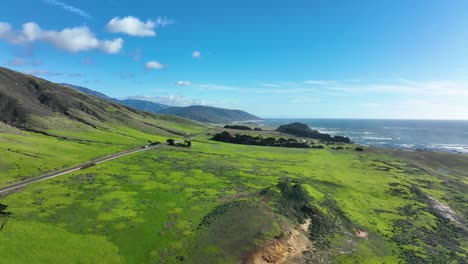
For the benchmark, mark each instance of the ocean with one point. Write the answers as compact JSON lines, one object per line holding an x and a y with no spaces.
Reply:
{"x":436,"y":135}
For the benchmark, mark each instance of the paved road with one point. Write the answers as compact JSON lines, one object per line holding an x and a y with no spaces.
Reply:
{"x":72,"y":169}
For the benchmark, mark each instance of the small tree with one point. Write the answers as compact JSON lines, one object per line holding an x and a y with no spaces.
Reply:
{"x":188,"y":143}
{"x":3,"y":215}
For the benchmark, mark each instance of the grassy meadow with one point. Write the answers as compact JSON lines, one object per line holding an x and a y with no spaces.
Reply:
{"x":26,"y":154}
{"x":207,"y":204}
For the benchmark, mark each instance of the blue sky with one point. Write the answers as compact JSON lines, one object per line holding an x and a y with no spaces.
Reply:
{"x":315,"y":58}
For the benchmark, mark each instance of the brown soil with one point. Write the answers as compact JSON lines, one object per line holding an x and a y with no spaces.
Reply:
{"x":288,"y":248}
{"x":361,"y":234}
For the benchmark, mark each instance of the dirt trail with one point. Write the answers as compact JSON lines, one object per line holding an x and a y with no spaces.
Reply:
{"x":286,"y":249}
{"x":444,"y":210}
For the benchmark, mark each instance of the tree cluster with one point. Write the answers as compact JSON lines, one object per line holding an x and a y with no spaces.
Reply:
{"x":12,"y":112}
{"x":237,"y":127}
{"x":302,"y":130}
{"x":260,"y":141}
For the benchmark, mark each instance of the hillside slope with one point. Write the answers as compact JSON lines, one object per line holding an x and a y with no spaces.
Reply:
{"x":53,"y":126}
{"x":210,"y":114}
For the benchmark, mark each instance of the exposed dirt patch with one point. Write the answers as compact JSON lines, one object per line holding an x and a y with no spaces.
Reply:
{"x":305,"y":225}
{"x":361,"y":234}
{"x":288,"y":248}
{"x":444,"y":210}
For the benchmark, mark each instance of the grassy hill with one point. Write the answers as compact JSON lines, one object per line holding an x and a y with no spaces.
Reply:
{"x":46,"y":126}
{"x":214,"y":202}
{"x":209,"y":114}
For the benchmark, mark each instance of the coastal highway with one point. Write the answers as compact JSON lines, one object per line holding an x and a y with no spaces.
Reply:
{"x":72,"y":169}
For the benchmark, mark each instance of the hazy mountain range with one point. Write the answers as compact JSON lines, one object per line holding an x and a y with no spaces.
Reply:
{"x":200,"y":113}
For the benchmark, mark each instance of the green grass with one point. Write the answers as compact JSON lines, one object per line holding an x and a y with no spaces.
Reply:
{"x":28,"y":154}
{"x":147,"y":207}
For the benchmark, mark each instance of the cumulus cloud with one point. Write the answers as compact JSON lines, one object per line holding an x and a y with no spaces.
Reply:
{"x":183,"y":83}
{"x":154,"y":65}
{"x":68,"y":8}
{"x":133,"y":26}
{"x":175,"y":100}
{"x":69,"y":39}
{"x":196,"y":54}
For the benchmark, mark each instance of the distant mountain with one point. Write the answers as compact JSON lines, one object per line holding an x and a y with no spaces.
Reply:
{"x":138,"y":104}
{"x":90,"y":92}
{"x":144,"y":105}
{"x":209,"y":114}
{"x":200,"y":113}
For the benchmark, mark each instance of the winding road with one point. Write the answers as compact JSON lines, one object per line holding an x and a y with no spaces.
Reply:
{"x":72,"y":169}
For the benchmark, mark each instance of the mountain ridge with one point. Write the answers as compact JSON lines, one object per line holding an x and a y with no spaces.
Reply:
{"x":201,"y":113}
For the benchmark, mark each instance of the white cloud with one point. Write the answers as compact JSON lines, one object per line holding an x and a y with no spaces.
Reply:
{"x":133,"y":26}
{"x":42,"y":72}
{"x":216,"y":87}
{"x":164,"y":21}
{"x":69,"y":39}
{"x":269,"y":85}
{"x":175,"y":100}
{"x":154,"y":65}
{"x":196,"y":54}
{"x":320,"y":82}
{"x":183,"y":83}
{"x":68,"y":8}
{"x":20,"y":62}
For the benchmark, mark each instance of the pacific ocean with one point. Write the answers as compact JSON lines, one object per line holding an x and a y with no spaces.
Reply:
{"x":436,"y":135}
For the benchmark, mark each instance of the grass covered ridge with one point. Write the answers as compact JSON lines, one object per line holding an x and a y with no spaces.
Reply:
{"x":164,"y":206}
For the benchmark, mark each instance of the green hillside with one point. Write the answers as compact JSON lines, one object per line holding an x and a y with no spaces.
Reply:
{"x":46,"y":126}
{"x":212,"y":202}
{"x":219,"y":202}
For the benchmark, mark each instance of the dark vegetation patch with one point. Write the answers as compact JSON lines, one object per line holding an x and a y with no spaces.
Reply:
{"x":261,"y":141}
{"x":295,"y":203}
{"x":386,"y":166}
{"x":219,"y":211}
{"x":383,"y":211}
{"x":399,"y":190}
{"x":23,"y":153}
{"x":237,"y":127}
{"x":3,"y":215}
{"x":12,"y":112}
{"x":231,"y":230}
{"x":303,"y":130}
{"x":420,"y":243}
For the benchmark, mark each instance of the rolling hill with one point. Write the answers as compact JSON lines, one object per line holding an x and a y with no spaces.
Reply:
{"x":201,"y":113}
{"x":138,"y":104}
{"x":214,"y":202}
{"x":209,"y":114}
{"x":36,"y":113}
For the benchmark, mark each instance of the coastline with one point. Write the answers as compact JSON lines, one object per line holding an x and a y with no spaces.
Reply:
{"x":448,"y":136}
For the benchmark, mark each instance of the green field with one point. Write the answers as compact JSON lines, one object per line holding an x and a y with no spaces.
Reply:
{"x":26,"y":154}
{"x":215,"y":202}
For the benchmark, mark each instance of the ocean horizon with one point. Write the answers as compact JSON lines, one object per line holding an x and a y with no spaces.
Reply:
{"x":423,"y":134}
